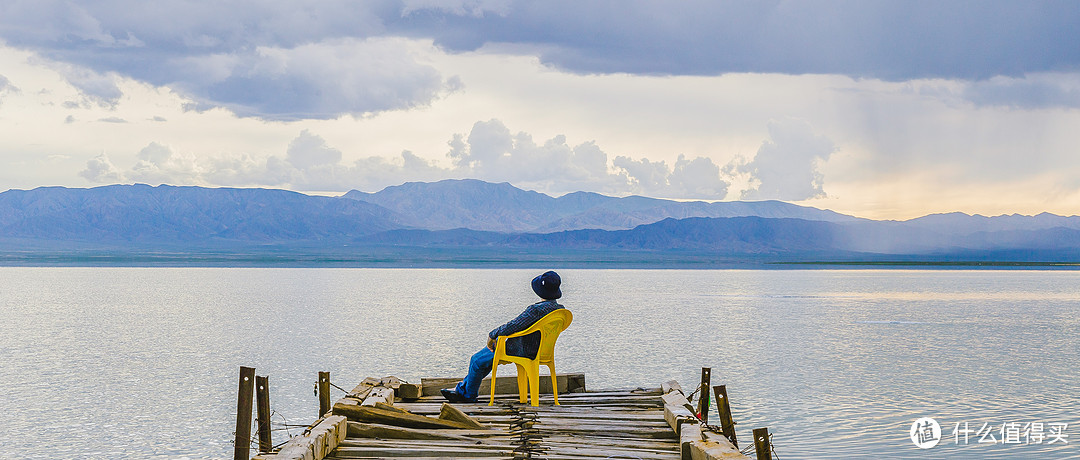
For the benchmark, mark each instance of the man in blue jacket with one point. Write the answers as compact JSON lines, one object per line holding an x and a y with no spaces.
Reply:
{"x":547,"y":287}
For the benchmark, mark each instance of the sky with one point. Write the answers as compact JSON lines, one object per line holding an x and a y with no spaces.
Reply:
{"x":879,"y":109}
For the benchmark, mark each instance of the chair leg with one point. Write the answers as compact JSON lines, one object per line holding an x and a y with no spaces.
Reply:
{"x":554,"y":383}
{"x":523,"y":383}
{"x":534,"y":385}
{"x":494,"y":371}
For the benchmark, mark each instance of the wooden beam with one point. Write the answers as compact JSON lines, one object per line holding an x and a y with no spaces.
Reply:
{"x":715,"y":447}
{"x":381,"y":431}
{"x":262,"y":412}
{"x":449,"y":412}
{"x":380,"y":395}
{"x":677,"y":411}
{"x":324,"y":393}
{"x":762,"y":444}
{"x":703,"y":389}
{"x":365,"y":386}
{"x":723,"y":407}
{"x":689,"y":433}
{"x":408,"y":391}
{"x":568,"y":383}
{"x":316,"y":444}
{"x":358,"y":413}
{"x":669,"y":386}
{"x":242,"y":445}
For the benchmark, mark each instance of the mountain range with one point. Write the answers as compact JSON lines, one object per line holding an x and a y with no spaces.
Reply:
{"x":470,"y":215}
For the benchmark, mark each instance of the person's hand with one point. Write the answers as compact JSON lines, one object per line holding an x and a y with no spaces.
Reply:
{"x":491,"y":344}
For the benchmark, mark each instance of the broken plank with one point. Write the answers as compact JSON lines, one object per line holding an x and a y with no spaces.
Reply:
{"x":358,"y":413}
{"x":568,"y":383}
{"x":452,"y":413}
{"x":379,"y":395}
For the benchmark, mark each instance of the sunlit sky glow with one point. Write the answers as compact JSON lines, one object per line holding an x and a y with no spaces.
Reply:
{"x":887,"y":109}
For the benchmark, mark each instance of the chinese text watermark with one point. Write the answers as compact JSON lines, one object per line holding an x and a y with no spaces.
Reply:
{"x":926,"y":433}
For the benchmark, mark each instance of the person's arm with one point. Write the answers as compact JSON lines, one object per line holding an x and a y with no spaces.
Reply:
{"x":522,"y":322}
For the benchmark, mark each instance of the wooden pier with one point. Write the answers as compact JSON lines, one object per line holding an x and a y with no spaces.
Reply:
{"x":388,"y":418}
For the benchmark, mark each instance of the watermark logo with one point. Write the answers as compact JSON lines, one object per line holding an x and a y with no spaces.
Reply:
{"x":925,"y":433}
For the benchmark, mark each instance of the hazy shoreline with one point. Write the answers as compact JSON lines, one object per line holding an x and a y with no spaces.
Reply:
{"x":466,"y":258}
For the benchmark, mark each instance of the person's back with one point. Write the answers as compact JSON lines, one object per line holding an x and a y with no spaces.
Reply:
{"x":547,"y":286}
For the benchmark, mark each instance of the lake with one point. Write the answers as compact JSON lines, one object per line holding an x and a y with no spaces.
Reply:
{"x":142,"y":362}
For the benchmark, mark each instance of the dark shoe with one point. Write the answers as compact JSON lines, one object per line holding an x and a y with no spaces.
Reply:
{"x":455,"y":397}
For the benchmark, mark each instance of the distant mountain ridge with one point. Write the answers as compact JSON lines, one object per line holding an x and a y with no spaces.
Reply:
{"x":479,"y":205}
{"x":144,"y":214}
{"x":464,"y":214}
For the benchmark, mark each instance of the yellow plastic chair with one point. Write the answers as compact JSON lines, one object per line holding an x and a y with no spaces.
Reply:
{"x":529,"y":369}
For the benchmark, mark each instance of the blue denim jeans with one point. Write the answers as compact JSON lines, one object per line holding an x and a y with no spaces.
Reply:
{"x":479,"y":367}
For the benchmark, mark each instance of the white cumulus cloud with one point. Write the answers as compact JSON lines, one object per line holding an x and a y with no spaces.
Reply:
{"x":786,"y":165}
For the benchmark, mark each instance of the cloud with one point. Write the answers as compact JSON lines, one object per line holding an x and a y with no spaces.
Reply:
{"x":892,"y":39}
{"x":309,"y":150}
{"x":1036,"y":91}
{"x":286,"y":60}
{"x":472,"y":8}
{"x":786,"y":166}
{"x":100,"y":170}
{"x":6,"y":86}
{"x":314,"y":80}
{"x":99,"y":89}
{"x":693,"y":179}
{"x":489,"y":152}
{"x":276,"y":60}
{"x":112,"y":120}
{"x":157,"y":164}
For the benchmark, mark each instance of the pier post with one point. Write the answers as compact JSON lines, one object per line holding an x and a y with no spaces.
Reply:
{"x":762,"y":444}
{"x":723,"y":408}
{"x":703,"y":401}
{"x":242,"y":444}
{"x":262,"y":413}
{"x":324,"y":393}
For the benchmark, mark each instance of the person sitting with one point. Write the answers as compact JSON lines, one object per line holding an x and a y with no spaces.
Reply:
{"x":546,"y":286}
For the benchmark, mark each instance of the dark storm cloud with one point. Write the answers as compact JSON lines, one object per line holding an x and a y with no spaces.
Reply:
{"x":281,"y":59}
{"x":892,"y":40}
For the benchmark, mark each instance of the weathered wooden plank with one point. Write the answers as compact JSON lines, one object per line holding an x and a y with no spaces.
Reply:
{"x":452,"y":413}
{"x":358,"y":413}
{"x":262,"y":411}
{"x":677,"y":411}
{"x":378,"y":430}
{"x":723,"y":408}
{"x":413,"y":451}
{"x":467,"y":443}
{"x":762,"y":443}
{"x":688,"y":434}
{"x":324,"y":393}
{"x":669,"y":386}
{"x":568,"y":383}
{"x":315,"y":445}
{"x":379,"y":395}
{"x":361,"y":390}
{"x":245,"y":391}
{"x":408,"y":391}
{"x":715,"y":446}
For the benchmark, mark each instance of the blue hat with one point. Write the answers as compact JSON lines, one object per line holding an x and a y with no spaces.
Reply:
{"x":547,"y":286}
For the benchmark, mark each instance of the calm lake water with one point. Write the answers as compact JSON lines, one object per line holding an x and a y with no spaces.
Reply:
{"x":142,"y":362}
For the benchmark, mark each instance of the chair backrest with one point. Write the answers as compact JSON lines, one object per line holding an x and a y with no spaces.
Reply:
{"x":550,"y":326}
